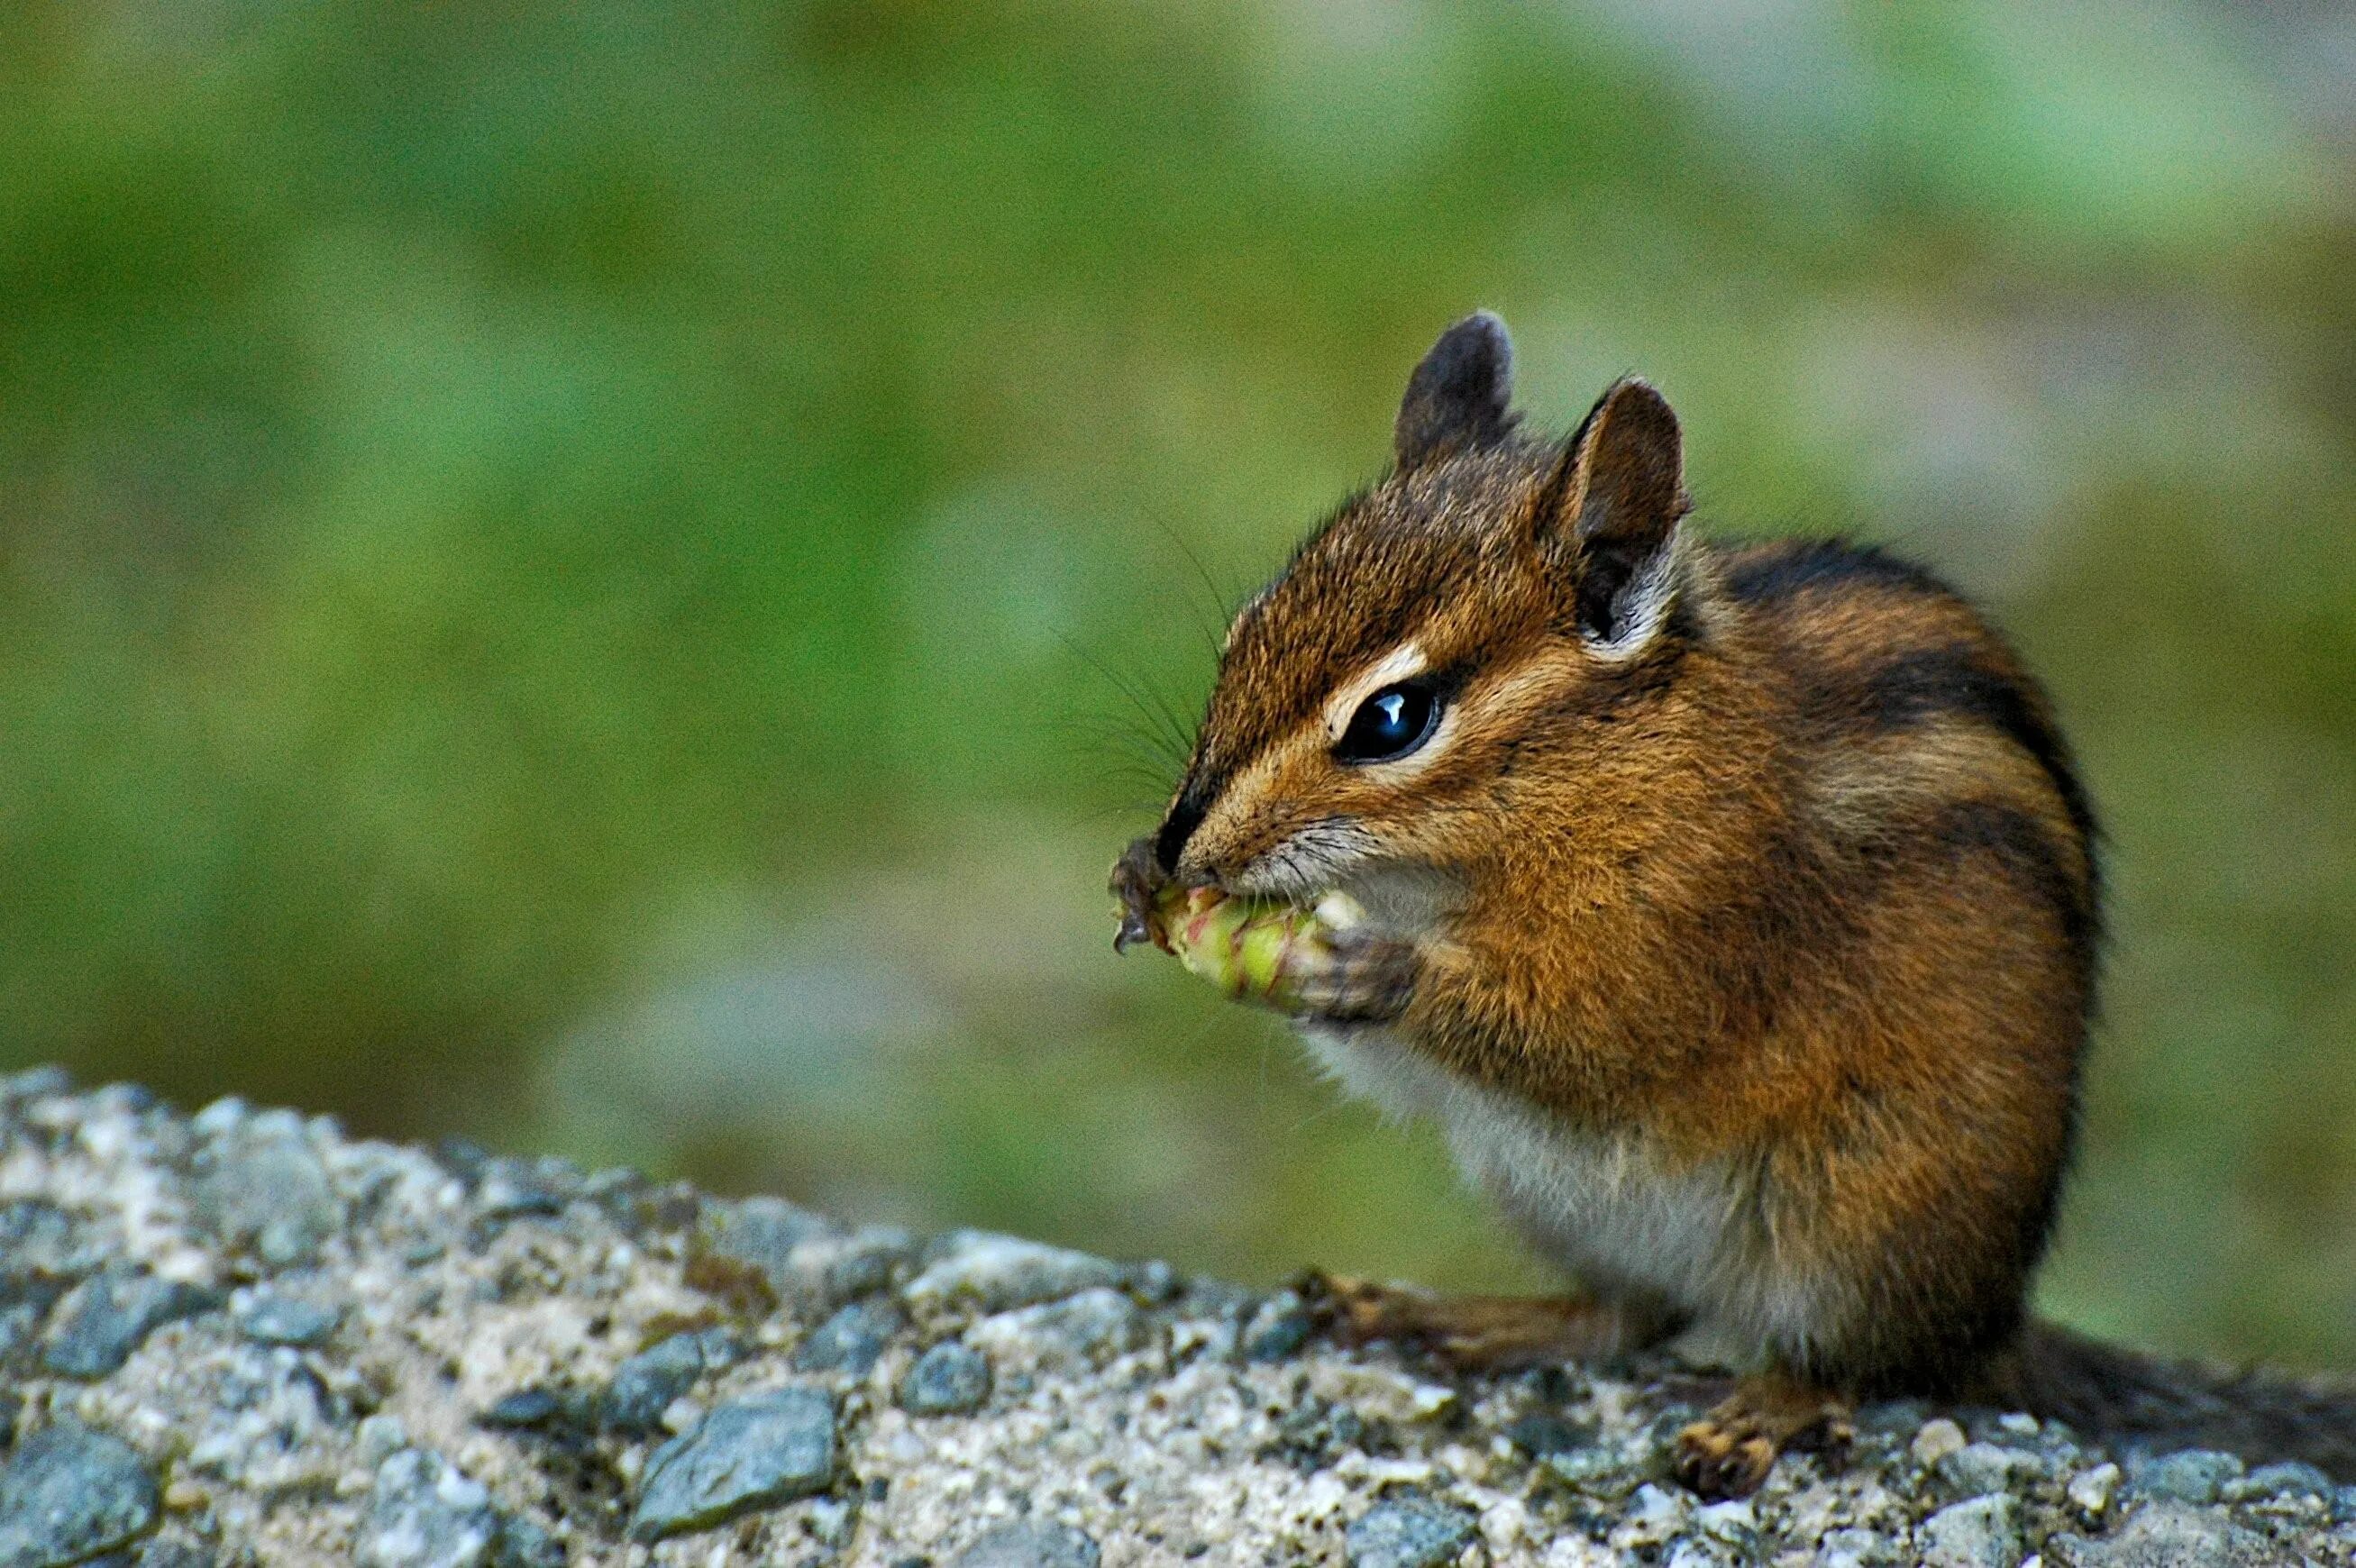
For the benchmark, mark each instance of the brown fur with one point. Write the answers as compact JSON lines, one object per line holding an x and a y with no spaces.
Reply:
{"x":1802,"y":889}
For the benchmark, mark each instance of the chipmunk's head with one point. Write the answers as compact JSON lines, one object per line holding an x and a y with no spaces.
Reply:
{"x":1495,"y":599}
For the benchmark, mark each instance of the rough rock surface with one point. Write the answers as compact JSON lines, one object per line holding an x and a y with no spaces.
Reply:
{"x":240,"y":1337}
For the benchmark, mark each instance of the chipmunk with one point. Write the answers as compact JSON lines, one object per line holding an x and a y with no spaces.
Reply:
{"x":1734,"y":911}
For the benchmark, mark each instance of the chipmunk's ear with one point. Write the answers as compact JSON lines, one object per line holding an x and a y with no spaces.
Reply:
{"x":1611,"y":511}
{"x":1456,"y":400}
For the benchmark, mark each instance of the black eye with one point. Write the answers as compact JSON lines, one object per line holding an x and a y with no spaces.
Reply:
{"x":1389,"y":724}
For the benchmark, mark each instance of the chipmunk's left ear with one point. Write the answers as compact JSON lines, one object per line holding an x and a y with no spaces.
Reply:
{"x":1610,"y":513}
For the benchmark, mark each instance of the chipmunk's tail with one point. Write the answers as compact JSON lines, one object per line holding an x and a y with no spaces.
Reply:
{"x":2120,"y":1395}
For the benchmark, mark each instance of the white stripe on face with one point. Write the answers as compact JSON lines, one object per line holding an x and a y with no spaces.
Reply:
{"x":1402,"y":663}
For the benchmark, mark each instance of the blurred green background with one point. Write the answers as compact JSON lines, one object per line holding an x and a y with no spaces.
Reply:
{"x":575,"y":575}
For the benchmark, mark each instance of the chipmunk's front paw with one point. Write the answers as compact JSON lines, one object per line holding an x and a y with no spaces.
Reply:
{"x":1727,"y":1453}
{"x":1137,"y":880}
{"x":1356,"y":977}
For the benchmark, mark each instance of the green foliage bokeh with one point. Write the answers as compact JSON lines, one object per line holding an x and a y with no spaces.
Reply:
{"x":610,"y":578}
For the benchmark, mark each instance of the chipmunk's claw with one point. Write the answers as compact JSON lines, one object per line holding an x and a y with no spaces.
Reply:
{"x":1728,"y":1452}
{"x":1137,"y":878}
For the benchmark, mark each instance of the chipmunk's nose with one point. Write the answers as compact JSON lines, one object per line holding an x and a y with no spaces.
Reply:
{"x":1185,"y":816}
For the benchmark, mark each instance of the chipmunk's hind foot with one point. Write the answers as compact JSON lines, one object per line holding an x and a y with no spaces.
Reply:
{"x":1479,"y":1333}
{"x":1727,"y":1453}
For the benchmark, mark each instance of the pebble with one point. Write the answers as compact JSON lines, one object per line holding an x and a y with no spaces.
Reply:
{"x":1066,"y":1336}
{"x":950,"y":1378}
{"x":1984,"y":1532}
{"x":2191,"y":1476}
{"x":645,"y":1385}
{"x":756,"y":1452}
{"x":163,"y":1554}
{"x":993,"y":1273}
{"x":1852,"y":1549}
{"x":1408,"y":1531}
{"x":273,"y":1317}
{"x":839,"y":1267}
{"x":1600,"y":1471}
{"x":2091,"y":1492}
{"x":69,"y":1492}
{"x":2289,"y":1478}
{"x":851,"y":1341}
{"x":506,"y":1188}
{"x":1978,"y":1468}
{"x":1278,"y":1328}
{"x":1028,"y":1543}
{"x":522,"y":1544}
{"x":1937,"y":1439}
{"x":380,"y":1436}
{"x":35,"y":1084}
{"x":261,"y":1186}
{"x":105,"y":1318}
{"x":40,"y":1242}
{"x":425,"y":1513}
{"x":765,"y":1236}
{"x":1540,"y":1436}
{"x":525,"y":1407}
{"x":2170,"y":1535}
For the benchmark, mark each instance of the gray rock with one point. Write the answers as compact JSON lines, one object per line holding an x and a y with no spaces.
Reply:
{"x":18,"y":1325}
{"x":2090,"y":1492}
{"x":950,"y":1378}
{"x":2191,"y":1476}
{"x":507,"y":1188}
{"x":1028,"y":1543}
{"x":1409,"y":1530}
{"x":1978,"y":1468}
{"x":69,"y":1493}
{"x":35,"y":1084}
{"x":1853,"y":1549}
{"x":427,"y":1514}
{"x":273,"y":1316}
{"x":40,"y":1240}
{"x":452,"y":1295}
{"x":261,"y":1186}
{"x":1939,"y":1437}
{"x":379,"y":1437}
{"x":1068,"y":1335}
{"x":850,"y":1341}
{"x":107,"y":1316}
{"x":760,"y":1236}
{"x":2288,"y":1480}
{"x":993,"y":1273}
{"x":523,"y":1544}
{"x":838,"y":1268}
{"x":1984,"y":1532}
{"x":1602,"y":1471}
{"x":755,"y":1453}
{"x":1278,"y":1328}
{"x":525,"y":1408}
{"x":645,"y":1385}
{"x":2171,"y":1535}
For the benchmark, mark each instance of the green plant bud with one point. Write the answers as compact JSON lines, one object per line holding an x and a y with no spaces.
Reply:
{"x":1256,"y":950}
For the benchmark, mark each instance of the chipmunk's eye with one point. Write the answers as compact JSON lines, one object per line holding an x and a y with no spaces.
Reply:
{"x":1391,"y":723}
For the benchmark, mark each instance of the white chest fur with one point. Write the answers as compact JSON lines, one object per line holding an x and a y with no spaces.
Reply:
{"x":1604,"y":1207}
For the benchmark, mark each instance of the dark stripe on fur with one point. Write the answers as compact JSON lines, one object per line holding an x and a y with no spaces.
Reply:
{"x":1775,"y":572}
{"x":1935,"y":681}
